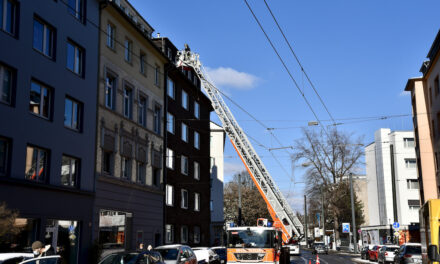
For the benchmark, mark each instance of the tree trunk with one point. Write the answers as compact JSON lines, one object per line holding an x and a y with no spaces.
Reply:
{"x":336,"y":228}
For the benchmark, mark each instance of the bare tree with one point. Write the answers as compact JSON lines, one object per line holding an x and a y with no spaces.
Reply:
{"x":329,"y":157}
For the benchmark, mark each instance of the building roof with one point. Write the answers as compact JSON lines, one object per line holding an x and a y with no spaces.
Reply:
{"x":410,"y":83}
{"x":432,"y":54}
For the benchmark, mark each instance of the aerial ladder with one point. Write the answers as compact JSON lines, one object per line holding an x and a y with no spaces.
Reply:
{"x":279,"y":209}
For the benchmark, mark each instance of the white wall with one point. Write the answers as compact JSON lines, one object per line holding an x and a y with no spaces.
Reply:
{"x":217,"y":147}
{"x":373,"y":205}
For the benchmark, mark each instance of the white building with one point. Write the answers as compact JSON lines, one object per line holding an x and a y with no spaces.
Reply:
{"x":216,"y":204}
{"x":393,"y":194}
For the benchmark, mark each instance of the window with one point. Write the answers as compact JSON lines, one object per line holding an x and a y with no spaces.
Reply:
{"x":157,"y":112}
{"x":8,"y":16}
{"x":142,"y":63}
{"x":211,"y":205}
{"x":196,"y":140}
{"x":196,"y":234}
{"x":196,"y":170}
{"x":184,"y":234}
{"x":170,"y":123}
{"x":6,"y":75}
{"x":74,"y":7}
{"x":107,"y":162}
{"x":436,"y":86}
{"x":40,"y":97}
{"x":184,"y":132}
{"x":196,"y":201}
{"x":72,"y":114}
{"x":184,"y":100}
{"x":74,"y":58}
{"x":36,"y":164}
{"x":125,"y":168}
{"x":142,"y":111}
{"x":156,"y":176}
{"x":69,"y":171}
{"x":184,"y":201}
{"x":170,"y":158}
{"x":408,"y":142}
{"x":43,"y":38}
{"x":412,"y":184}
{"x":410,"y":163}
{"x":169,"y":195}
{"x":110,"y":87}
{"x":128,"y":45}
{"x":184,"y":165}
{"x":414,"y":205}
{"x":4,"y":155}
{"x":110,"y":36}
{"x":128,"y":97}
{"x":141,"y":172}
{"x":169,"y":234}
{"x":197,"y":110}
{"x":170,"y":88}
{"x":156,"y":76}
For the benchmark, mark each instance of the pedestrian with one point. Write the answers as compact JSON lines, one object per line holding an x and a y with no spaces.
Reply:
{"x":40,"y":250}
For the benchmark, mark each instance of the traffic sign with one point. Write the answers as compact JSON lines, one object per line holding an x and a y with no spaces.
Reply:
{"x":345,"y":227}
{"x":359,"y":231}
{"x":396,"y":233}
{"x":396,"y":225}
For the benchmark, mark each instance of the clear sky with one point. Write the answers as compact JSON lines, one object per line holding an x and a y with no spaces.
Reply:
{"x":358,"y":54}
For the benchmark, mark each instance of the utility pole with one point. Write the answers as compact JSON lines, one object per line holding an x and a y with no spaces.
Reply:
{"x":352,"y":214}
{"x":323,"y":217}
{"x":305,"y":220}
{"x":239,"y":200}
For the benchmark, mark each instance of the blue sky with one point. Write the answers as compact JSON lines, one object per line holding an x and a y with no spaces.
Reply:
{"x":358,"y":54}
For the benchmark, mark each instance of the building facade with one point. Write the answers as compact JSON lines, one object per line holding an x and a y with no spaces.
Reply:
{"x":426,"y":119}
{"x":187,"y":203}
{"x":129,"y":148}
{"x":218,"y":137}
{"x":48,"y":105}
{"x":391,"y":165}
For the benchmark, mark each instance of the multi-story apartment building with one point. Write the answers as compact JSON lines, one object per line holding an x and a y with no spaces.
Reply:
{"x":130,"y":131}
{"x":48,"y":71}
{"x":393,"y":188}
{"x":425,"y":102}
{"x":187,"y":210}
{"x":218,"y":137}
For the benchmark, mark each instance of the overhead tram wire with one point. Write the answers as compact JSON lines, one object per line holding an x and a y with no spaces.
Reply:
{"x":299,"y":63}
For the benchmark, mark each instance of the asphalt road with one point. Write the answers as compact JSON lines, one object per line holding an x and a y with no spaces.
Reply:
{"x":331,"y":258}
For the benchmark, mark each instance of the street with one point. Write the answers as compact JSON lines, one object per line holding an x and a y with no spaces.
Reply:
{"x":331,"y":258}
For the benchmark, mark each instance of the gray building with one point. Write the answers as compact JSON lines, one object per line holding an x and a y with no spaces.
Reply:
{"x":48,"y":71}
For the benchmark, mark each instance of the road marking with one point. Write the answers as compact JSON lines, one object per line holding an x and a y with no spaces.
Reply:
{"x":305,"y":260}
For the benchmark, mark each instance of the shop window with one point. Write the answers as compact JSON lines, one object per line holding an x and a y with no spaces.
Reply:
{"x":112,"y":229}
{"x":21,"y":236}
{"x":63,"y":236}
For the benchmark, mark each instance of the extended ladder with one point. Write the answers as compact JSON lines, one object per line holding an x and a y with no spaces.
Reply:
{"x":278,"y":206}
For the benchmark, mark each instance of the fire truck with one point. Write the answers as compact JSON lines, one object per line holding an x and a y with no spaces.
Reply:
{"x":429,"y":231}
{"x":286,"y":224}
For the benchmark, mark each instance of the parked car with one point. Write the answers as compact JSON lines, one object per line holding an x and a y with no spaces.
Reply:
{"x":373,"y":253}
{"x":13,"y":258}
{"x":408,"y":253}
{"x":177,"y":254}
{"x":56,"y":259}
{"x":132,"y":257}
{"x":364,"y":252}
{"x":206,"y":255}
{"x":221,"y":252}
{"x":386,"y":254}
{"x":320,"y":248}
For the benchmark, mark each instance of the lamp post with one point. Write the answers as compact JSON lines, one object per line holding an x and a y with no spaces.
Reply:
{"x":353,"y":214}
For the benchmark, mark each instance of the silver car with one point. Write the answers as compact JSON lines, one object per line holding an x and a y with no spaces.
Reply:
{"x":177,"y":254}
{"x":386,"y":254}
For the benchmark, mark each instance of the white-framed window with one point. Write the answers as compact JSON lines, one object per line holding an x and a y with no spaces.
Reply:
{"x":125,"y":168}
{"x":410,"y":163}
{"x":74,"y":58}
{"x":74,"y":7}
{"x":170,"y":88}
{"x":169,"y":195}
{"x":196,"y":170}
{"x":169,"y":234}
{"x":412,"y":184}
{"x":142,"y":111}
{"x":184,"y":165}
{"x":170,"y":159}
{"x":110,"y":88}
{"x":36,"y":164}
{"x":408,"y":142}
{"x":141,"y":172}
{"x":157,"y":119}
{"x":197,"y":110}
{"x":8,"y":16}
{"x":6,"y":81}
{"x":72,"y":114}
{"x":40,"y":97}
{"x":184,"y":132}
{"x":184,"y":199}
{"x":142,"y":63}
{"x":157,"y":76}
{"x":170,"y":123}
{"x":128,"y":50}
{"x":196,"y":201}
{"x":414,"y":205}
{"x":69,"y":171}
{"x":43,"y":38}
{"x":111,"y":36}
{"x":128,"y":102}
{"x":184,"y":100}
{"x":184,"y":234}
{"x":196,"y":234}
{"x":196,"y":140}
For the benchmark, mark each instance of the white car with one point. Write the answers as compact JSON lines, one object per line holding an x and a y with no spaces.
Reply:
{"x":56,"y":259}
{"x":15,"y":257}
{"x":206,"y":255}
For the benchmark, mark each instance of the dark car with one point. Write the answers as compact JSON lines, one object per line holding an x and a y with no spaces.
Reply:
{"x":131,"y":257}
{"x":364,"y":252}
{"x":409,"y":253}
{"x":221,"y":252}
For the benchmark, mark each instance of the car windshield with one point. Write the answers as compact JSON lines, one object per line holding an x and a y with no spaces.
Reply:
{"x":169,"y":253}
{"x":251,"y":238}
{"x":413,"y":250}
